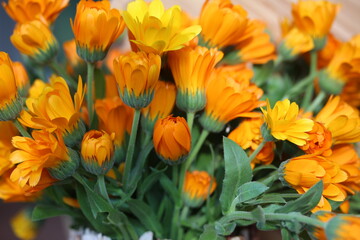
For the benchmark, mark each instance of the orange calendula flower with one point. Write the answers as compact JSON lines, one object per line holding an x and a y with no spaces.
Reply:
{"x":342,"y":120}
{"x":111,"y":88}
{"x":51,"y":107}
{"x":315,"y":18}
{"x":23,"y":227}
{"x":137,"y":74}
{"x":96,"y":27}
{"x":328,"y":52}
{"x":305,"y":171}
{"x":72,"y":202}
{"x":115,"y":117}
{"x":23,"y":11}
{"x":223,"y":23}
{"x":156,"y":30}
{"x":284,"y":124}
{"x":319,"y":232}
{"x":319,"y":142}
{"x":172,"y":139}
{"x":343,"y":227}
{"x":97,"y":151}
{"x":248,"y":136}
{"x":198,"y":186}
{"x":74,"y":62}
{"x":35,"y":40}
{"x":22,"y":78}
{"x":42,"y":152}
{"x":161,"y":106}
{"x":8,"y":130}
{"x":230,"y":95}
{"x":191,"y":68}
{"x":10,"y":102}
{"x":296,"y":42}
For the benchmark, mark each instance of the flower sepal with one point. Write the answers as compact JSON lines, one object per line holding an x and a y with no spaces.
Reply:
{"x":329,"y":84}
{"x":12,"y":110}
{"x":189,"y":102}
{"x":319,"y":43}
{"x":91,"y":55}
{"x":211,"y":124}
{"x":66,"y":168}
{"x":137,"y":102}
{"x":75,"y":136}
{"x":92,"y":166}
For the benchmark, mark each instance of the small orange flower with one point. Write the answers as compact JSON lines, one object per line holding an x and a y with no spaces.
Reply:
{"x":21,"y":76}
{"x":222,"y":23}
{"x":23,"y":11}
{"x":328,"y":52}
{"x":172,"y":139}
{"x":343,"y":227}
{"x":97,"y":150}
{"x":319,"y":232}
{"x":115,"y":117}
{"x":295,"y":43}
{"x":95,"y":28}
{"x":136,"y":74}
{"x":341,"y":120}
{"x":230,"y":95}
{"x":191,"y":68}
{"x":198,"y":186}
{"x":319,"y":142}
{"x":248,"y":136}
{"x":35,"y":155}
{"x":284,"y":123}
{"x":72,"y":202}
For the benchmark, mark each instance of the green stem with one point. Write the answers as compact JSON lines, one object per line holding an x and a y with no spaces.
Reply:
{"x":257,"y":150}
{"x":318,"y":100}
{"x":130,"y":150}
{"x":175,"y":174}
{"x":184,"y":213}
{"x":62,"y":73}
{"x":269,"y":179}
{"x":175,"y":223}
{"x":21,"y":129}
{"x":89,"y":95}
{"x":190,"y":119}
{"x":310,"y":88}
{"x":102,"y":187}
{"x":241,"y":215}
{"x":299,"y":87}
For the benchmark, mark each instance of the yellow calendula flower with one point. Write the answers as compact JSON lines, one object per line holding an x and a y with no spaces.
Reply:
{"x":315,"y":18}
{"x":42,"y":152}
{"x":319,"y":141}
{"x":191,"y":68}
{"x":341,"y":119}
{"x":343,"y":227}
{"x":296,"y":42}
{"x":172,"y":139}
{"x":137,"y":74}
{"x":96,"y":26}
{"x":223,"y":23}
{"x":198,"y":186}
{"x":51,"y":107}
{"x":97,"y":151}
{"x":248,"y":136}
{"x":23,"y":11}
{"x":230,"y":95}
{"x":161,"y":105}
{"x":284,"y":124}
{"x":23,"y":227}
{"x":10,"y":101}
{"x":35,"y":40}
{"x":156,"y":30}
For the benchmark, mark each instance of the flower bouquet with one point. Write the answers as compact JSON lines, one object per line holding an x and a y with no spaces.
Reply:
{"x":206,"y":129}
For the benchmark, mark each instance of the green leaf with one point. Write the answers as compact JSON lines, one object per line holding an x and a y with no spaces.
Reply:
{"x":170,"y":188}
{"x":210,"y":233}
{"x":306,"y":202}
{"x":146,"y":216}
{"x":262,"y":73}
{"x":149,"y":181}
{"x":225,"y":228}
{"x":264,"y":167}
{"x":266,"y":199}
{"x":259,"y":216}
{"x":237,"y":172}
{"x":42,"y":211}
{"x":250,"y":191}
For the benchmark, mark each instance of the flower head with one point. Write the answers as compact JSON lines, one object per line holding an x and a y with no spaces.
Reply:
{"x":172,"y":139}
{"x":156,"y":30}
{"x":296,"y":42}
{"x":342,"y":120}
{"x":198,"y":186}
{"x":97,"y":150}
{"x":22,"y":78}
{"x":230,"y":95}
{"x":23,"y":11}
{"x":35,"y":40}
{"x":95,"y":28}
{"x":343,"y":227}
{"x":136,"y":74}
{"x":8,"y":130}
{"x":223,"y":23}
{"x":284,"y":123}
{"x":319,"y":141}
{"x":191,"y":68}
{"x":23,"y":227}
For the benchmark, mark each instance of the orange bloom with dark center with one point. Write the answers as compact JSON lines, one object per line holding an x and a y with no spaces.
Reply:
{"x":35,"y":155}
{"x":222,"y":23}
{"x":27,"y":10}
{"x":172,"y":139}
{"x":248,"y":136}
{"x":319,"y":141}
{"x":115,"y":117}
{"x":198,"y":186}
{"x":341,"y":119}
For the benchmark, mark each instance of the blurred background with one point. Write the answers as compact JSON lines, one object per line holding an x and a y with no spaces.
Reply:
{"x":346,"y":25}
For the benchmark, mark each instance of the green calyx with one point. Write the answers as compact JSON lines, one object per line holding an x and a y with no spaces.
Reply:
{"x":190,"y":102}
{"x":66,"y":168}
